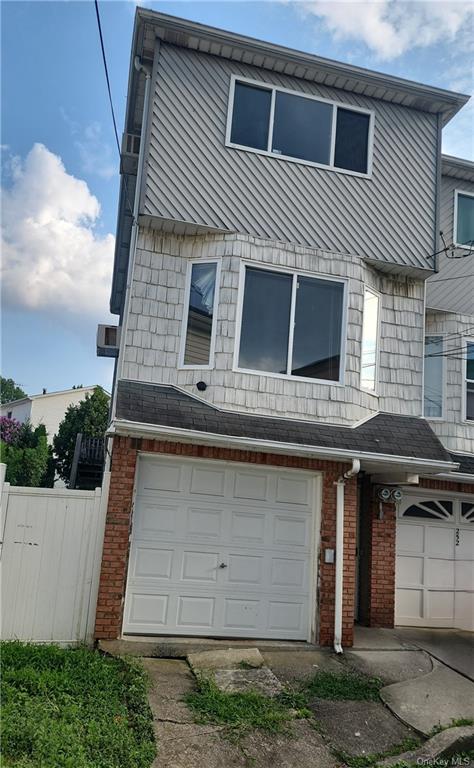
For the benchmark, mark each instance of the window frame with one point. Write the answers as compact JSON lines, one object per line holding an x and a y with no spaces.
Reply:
{"x":375,"y":391}
{"x":458,"y":192}
{"x":464,"y":383}
{"x":295,"y":273}
{"x":442,"y":336}
{"x":184,"y":321}
{"x":268,"y":153}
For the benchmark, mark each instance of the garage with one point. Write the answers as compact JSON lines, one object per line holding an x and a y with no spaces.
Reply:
{"x":222,"y":549}
{"x":435,"y":561}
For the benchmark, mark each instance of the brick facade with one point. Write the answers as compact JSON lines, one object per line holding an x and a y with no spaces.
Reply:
{"x":119,"y":519}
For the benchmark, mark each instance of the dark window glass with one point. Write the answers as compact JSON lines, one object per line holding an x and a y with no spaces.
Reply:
{"x":433,"y":379}
{"x":302,"y":128}
{"x":470,"y":382}
{"x":250,"y":116}
{"x":465,"y":223}
{"x":352,"y":140}
{"x":467,"y":511}
{"x":317,"y":333}
{"x":201,"y":309}
{"x":265,"y":321}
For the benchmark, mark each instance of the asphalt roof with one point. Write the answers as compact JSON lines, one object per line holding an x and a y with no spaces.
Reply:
{"x":466,"y":463}
{"x":385,"y":433}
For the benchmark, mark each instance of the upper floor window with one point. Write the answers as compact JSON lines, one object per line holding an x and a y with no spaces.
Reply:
{"x":433,"y":378}
{"x":199,"y":321}
{"x":470,"y":380}
{"x":463,"y":218}
{"x":370,"y":335}
{"x":298,"y":127}
{"x":292,"y":325}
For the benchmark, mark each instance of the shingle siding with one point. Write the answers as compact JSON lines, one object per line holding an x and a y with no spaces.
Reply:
{"x":192,"y":176}
{"x":455,"y":433}
{"x":155,"y":327}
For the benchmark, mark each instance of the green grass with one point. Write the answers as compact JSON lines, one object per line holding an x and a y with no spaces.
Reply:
{"x":239,"y":713}
{"x":340,"y":686}
{"x":73,"y":708}
{"x":366,"y":761}
{"x":453,"y":724}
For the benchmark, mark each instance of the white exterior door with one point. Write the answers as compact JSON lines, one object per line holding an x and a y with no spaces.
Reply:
{"x":221,"y":549}
{"x":435,"y":562}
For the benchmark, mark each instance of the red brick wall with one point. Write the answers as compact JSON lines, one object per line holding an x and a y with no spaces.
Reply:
{"x":119,"y":518}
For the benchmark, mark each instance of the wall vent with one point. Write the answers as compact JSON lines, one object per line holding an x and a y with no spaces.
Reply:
{"x":108,"y":340}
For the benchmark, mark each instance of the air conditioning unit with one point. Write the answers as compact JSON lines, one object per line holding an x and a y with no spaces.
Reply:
{"x":108,"y":340}
{"x":129,"y":154}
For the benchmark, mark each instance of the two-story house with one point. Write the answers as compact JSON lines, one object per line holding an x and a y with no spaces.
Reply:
{"x":278,"y":219}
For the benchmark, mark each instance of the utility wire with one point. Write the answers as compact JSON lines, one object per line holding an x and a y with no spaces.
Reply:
{"x":443,"y":279}
{"x":109,"y":90}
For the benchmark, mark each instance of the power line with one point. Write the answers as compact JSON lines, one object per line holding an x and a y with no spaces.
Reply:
{"x":444,"y":279}
{"x":109,"y":90}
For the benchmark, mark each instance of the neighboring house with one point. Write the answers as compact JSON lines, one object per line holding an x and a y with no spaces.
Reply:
{"x":48,"y":408}
{"x":435,"y":555}
{"x":267,"y":418}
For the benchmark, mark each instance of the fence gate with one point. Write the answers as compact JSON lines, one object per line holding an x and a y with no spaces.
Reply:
{"x":51,"y":552}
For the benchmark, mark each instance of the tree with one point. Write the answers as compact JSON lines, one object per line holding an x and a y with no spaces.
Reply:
{"x":9,"y":390}
{"x":25,"y":452}
{"x":90,"y":417}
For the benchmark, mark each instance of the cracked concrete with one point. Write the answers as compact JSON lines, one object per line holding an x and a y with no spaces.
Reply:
{"x":182,"y":743}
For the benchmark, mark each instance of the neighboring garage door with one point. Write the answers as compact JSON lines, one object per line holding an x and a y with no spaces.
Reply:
{"x":220,"y":549}
{"x":435,"y":562}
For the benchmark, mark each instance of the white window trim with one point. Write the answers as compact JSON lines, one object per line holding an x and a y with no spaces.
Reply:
{"x":464,"y":383}
{"x":184,"y":322}
{"x":295,"y":273}
{"x":268,"y":153}
{"x":458,"y":192}
{"x":443,"y":378}
{"x":375,"y":392}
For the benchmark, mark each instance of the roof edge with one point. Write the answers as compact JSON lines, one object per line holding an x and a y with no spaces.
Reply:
{"x":453,"y":101}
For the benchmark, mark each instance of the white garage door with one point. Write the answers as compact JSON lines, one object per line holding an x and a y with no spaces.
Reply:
{"x":435,"y":562}
{"x":220,"y":549}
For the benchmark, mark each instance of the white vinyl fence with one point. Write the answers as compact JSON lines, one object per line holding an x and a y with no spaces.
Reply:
{"x":50,"y":562}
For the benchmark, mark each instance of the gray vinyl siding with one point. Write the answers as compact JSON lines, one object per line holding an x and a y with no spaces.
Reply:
{"x":155,"y":327}
{"x":193,"y":177}
{"x":455,"y":294}
{"x":455,"y":433}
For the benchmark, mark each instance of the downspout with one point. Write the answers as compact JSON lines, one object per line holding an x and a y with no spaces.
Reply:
{"x":355,"y":469}
{"x":134,"y":234}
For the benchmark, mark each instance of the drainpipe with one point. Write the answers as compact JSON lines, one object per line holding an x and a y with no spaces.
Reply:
{"x":355,"y":469}
{"x":134,"y":233}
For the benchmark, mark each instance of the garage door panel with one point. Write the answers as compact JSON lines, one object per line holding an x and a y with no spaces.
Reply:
{"x":439,"y":541}
{"x":410,"y":538}
{"x":465,"y":544}
{"x":195,"y":611}
{"x":257,"y":522}
{"x":151,"y":563}
{"x":464,"y":610}
{"x":440,"y":605}
{"x":439,"y":573}
{"x":291,"y":531}
{"x":252,"y":486}
{"x":409,"y":570}
{"x":292,"y":490}
{"x":409,"y":604}
{"x":464,"y":574}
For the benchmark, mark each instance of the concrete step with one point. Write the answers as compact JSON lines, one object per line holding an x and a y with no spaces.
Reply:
{"x":168,"y":647}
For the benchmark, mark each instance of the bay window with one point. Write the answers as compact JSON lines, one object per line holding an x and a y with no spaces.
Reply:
{"x":198,"y":329}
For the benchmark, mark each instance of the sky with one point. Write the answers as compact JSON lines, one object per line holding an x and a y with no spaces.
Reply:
{"x":60,"y":163}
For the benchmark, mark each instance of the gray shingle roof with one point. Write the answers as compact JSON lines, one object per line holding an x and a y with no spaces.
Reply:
{"x":386,"y":433}
{"x":466,"y":463}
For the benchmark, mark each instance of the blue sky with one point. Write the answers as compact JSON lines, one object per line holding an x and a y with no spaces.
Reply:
{"x":59,"y":161}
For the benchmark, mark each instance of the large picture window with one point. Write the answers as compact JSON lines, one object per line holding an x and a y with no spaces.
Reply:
{"x":291,"y":325}
{"x":463,"y":218}
{"x":433,"y":378}
{"x":298,"y":127}
{"x":199,"y":319}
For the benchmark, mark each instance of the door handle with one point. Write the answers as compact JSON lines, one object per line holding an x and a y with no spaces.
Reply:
{"x":223,"y":565}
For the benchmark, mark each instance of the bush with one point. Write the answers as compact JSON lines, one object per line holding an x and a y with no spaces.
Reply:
{"x":25,"y":452}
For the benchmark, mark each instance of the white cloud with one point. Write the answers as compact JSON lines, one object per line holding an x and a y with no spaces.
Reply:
{"x":390,"y":28}
{"x":52,"y":257}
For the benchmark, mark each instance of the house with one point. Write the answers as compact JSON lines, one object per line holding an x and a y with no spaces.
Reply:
{"x":48,"y":408}
{"x":267,"y":423}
